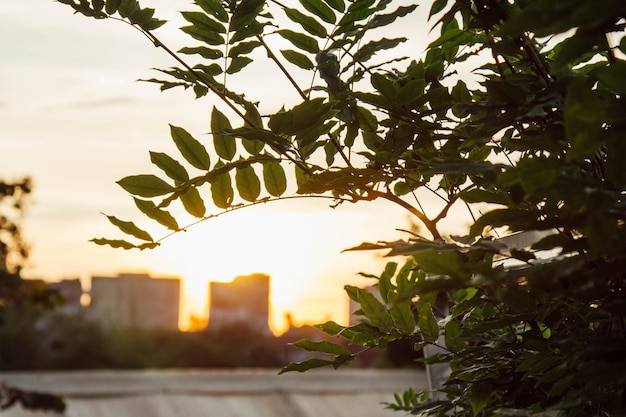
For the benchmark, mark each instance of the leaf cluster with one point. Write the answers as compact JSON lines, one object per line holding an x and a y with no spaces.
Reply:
{"x":529,"y":140}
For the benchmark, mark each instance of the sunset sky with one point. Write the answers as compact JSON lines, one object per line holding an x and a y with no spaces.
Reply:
{"x":73,"y":117}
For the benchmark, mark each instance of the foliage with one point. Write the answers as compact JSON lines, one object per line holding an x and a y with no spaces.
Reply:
{"x":19,"y":302}
{"x":528,"y":139}
{"x":13,"y":251}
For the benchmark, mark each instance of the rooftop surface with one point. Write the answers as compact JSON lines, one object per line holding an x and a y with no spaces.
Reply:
{"x":219,"y":393}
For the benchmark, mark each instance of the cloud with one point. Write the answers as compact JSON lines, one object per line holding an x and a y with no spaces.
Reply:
{"x":101,"y":102}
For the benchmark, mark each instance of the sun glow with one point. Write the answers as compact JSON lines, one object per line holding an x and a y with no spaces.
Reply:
{"x":299,"y":250}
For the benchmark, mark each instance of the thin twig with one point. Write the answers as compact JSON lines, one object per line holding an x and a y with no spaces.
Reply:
{"x":273,"y":57}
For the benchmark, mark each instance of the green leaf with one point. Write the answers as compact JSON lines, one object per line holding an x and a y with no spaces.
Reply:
{"x":307,"y":22}
{"x":331,"y":328}
{"x":402,"y":314}
{"x":385,"y":287}
{"x":274,"y":178}
{"x":207,"y":36}
{"x":192,"y":150}
{"x":306,"y":365}
{"x":453,"y":338}
{"x":203,"y":22}
{"x":252,"y":30}
{"x":479,"y":398}
{"x":130,"y":228}
{"x":211,"y":70}
{"x":437,"y":6}
{"x":214,"y":8}
{"x":613,"y":76}
{"x":381,"y":20}
{"x":323,"y":346}
{"x":225,"y":145}
{"x":373,"y":309}
{"x":358,"y":10}
{"x":302,"y":118}
{"x":111,"y":6}
{"x":338,"y":5}
{"x":477,"y":195}
{"x":302,"y":177}
{"x":237,"y":64}
{"x":383,"y":85}
{"x":320,"y":9}
{"x":148,"y":208}
{"x":127,"y":7}
{"x":152,"y":24}
{"x":248,"y":183}
{"x":114,"y":243}
{"x":145,"y":185}
{"x":298,"y":59}
{"x":368,"y":50}
{"x":300,"y":40}
{"x":428,"y":323}
{"x":245,"y":13}
{"x":435,"y":262}
{"x":252,"y":146}
{"x":170,"y":166}
{"x":222,"y":191}
{"x":243,"y":48}
{"x":141,"y":16}
{"x":204,"y":52}
{"x":193,"y":203}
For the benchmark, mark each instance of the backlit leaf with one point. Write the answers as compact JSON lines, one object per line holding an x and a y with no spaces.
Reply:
{"x":248,"y":183}
{"x":305,"y":365}
{"x":150,"y":209}
{"x":192,"y":150}
{"x":274,"y":178}
{"x":447,"y":262}
{"x":245,"y":13}
{"x":111,"y":6}
{"x":127,"y":7}
{"x":170,"y":166}
{"x":130,"y":228}
{"x":338,"y":5}
{"x":193,"y":203}
{"x":114,"y":243}
{"x":252,"y":146}
{"x":402,"y":314}
{"x":380,"y":20}
{"x":322,"y":346}
{"x":369,"y":49}
{"x":437,"y":6}
{"x":307,"y":22}
{"x":320,"y":9}
{"x":145,"y":185}
{"x":298,"y":59}
{"x":214,"y":8}
{"x":243,"y":48}
{"x":222,"y":191}
{"x":207,"y":36}
{"x":300,"y":40}
{"x":237,"y":64}
{"x":225,"y":145}
{"x":428,"y":323}
{"x":374,"y":310}
{"x":204,"y":52}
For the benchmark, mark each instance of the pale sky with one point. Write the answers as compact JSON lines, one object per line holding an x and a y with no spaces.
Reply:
{"x":73,"y":118}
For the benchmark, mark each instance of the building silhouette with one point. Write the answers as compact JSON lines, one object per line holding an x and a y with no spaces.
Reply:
{"x":70,"y":291}
{"x":136,"y":301}
{"x":244,"y":301}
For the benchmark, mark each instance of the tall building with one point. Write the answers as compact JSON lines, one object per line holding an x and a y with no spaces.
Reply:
{"x":245,"y":300}
{"x":135,"y":300}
